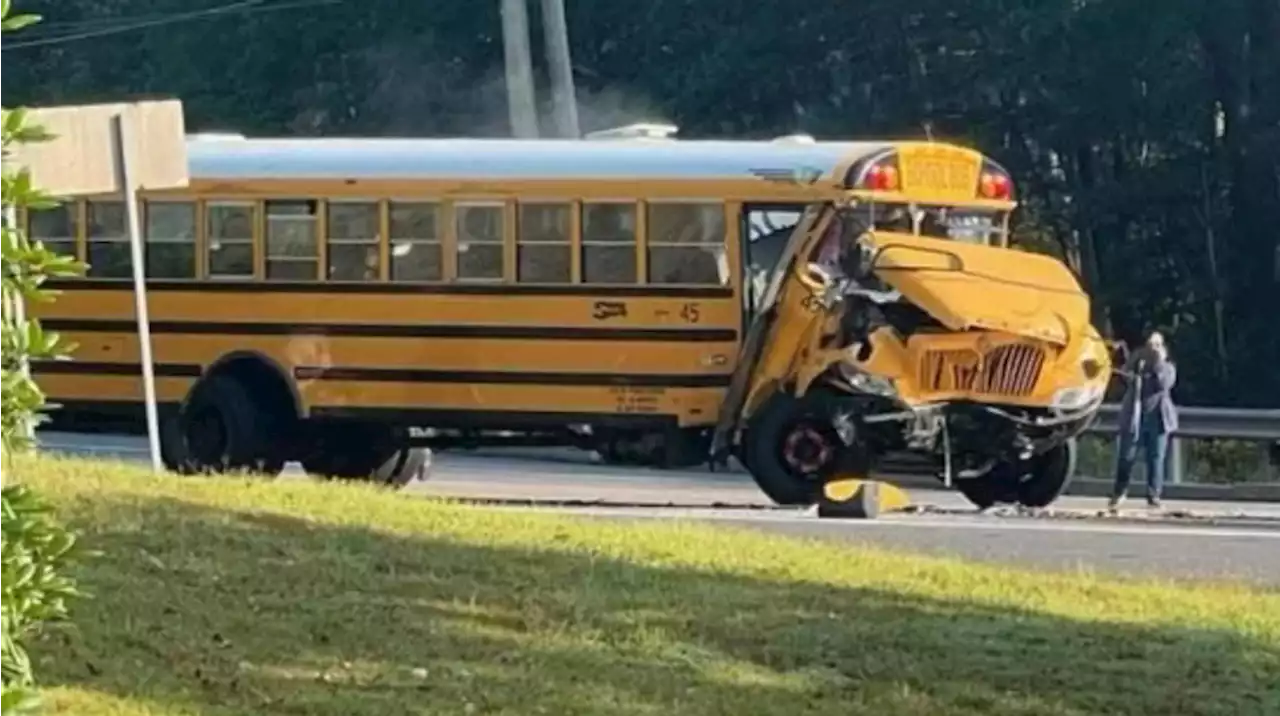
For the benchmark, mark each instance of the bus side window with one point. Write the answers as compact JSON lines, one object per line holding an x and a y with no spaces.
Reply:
{"x":415,"y":242}
{"x":609,"y":243}
{"x":56,"y":228}
{"x":687,"y":244}
{"x":171,"y":239}
{"x":480,"y":245}
{"x":292,"y":247}
{"x":230,"y":239}
{"x":543,"y":243}
{"x":353,"y":228}
{"x":109,"y":254}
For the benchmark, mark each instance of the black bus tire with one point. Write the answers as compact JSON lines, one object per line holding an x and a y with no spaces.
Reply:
{"x":404,"y":465}
{"x":761,"y":453}
{"x":1051,"y":474}
{"x":224,"y":430}
{"x":1038,"y":483}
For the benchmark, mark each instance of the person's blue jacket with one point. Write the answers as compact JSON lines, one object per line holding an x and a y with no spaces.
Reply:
{"x":1148,"y":394}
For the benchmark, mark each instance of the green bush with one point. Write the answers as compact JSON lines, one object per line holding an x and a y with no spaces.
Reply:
{"x":35,"y":548}
{"x":35,"y":589}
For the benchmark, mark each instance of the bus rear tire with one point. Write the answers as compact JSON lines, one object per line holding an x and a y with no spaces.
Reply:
{"x":221,"y":429}
{"x":365,"y":452}
{"x":404,"y":466}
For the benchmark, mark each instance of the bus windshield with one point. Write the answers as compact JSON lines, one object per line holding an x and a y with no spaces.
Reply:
{"x":966,"y":224}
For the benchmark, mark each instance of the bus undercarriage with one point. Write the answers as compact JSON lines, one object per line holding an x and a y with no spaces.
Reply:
{"x":989,"y":453}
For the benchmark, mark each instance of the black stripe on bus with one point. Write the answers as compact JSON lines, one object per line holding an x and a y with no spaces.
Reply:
{"x":418,"y":375}
{"x":406,"y":375}
{"x":356,"y":287}
{"x":367,"y":330}
{"x":78,"y":367}
{"x":129,"y":415}
{"x":493,"y":419}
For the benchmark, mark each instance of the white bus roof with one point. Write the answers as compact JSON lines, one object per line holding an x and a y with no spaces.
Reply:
{"x":233,"y":158}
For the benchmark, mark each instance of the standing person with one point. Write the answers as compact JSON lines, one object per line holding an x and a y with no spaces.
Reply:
{"x":1147,"y":418}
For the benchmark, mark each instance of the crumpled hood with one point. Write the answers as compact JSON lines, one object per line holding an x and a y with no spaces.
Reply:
{"x":967,"y":286}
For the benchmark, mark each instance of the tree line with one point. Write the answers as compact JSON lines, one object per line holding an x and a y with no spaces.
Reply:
{"x":1144,"y":137}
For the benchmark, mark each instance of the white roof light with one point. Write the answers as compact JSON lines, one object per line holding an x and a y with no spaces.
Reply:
{"x":640,"y":130}
{"x":796,"y":139}
{"x":216,"y":136}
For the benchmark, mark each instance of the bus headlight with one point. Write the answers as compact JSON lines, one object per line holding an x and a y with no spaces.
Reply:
{"x":1091,"y":368}
{"x":1093,"y":356}
{"x":1076,"y":398}
{"x":868,"y":383}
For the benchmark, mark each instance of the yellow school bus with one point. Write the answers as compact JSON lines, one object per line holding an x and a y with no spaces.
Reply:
{"x":585,"y":292}
{"x":341,"y":301}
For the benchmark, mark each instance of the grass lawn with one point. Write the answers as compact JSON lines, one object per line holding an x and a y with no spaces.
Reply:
{"x":235,"y":596}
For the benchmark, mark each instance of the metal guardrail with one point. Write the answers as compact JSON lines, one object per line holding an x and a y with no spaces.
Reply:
{"x":1207,"y":423}
{"x":1262,"y":426}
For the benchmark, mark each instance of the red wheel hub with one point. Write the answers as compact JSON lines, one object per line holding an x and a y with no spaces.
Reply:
{"x":806,"y":449}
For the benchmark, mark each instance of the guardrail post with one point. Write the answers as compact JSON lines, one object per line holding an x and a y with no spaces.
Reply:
{"x":1175,"y":462}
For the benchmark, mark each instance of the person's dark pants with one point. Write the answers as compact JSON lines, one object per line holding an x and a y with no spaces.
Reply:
{"x":1154,"y":442}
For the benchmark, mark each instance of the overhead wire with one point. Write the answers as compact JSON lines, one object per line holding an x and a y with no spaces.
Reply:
{"x":113,"y":26}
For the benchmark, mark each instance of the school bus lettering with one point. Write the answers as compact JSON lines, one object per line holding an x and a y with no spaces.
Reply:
{"x":690,"y":313}
{"x":638,"y":399}
{"x":604,"y":310}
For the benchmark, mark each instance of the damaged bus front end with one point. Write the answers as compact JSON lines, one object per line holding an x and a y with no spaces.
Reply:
{"x":895,"y":325}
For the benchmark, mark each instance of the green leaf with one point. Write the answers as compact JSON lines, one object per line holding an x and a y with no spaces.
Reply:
{"x":13,"y":120}
{"x":17,"y":22}
{"x":42,"y":202}
{"x":19,"y":700}
{"x":33,"y":133}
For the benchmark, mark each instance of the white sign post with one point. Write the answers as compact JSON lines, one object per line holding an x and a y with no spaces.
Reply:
{"x":115,"y":149}
{"x":129,"y":187}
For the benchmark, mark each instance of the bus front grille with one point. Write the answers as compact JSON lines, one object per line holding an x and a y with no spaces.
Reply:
{"x":1008,"y":370}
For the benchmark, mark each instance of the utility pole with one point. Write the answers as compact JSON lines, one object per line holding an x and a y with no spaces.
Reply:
{"x":519,"y":64}
{"x":564,"y":98}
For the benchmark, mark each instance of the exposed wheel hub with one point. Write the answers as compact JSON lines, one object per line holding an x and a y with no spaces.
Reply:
{"x":807,"y":450}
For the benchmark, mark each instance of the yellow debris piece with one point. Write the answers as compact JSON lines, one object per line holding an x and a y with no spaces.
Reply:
{"x":860,"y":498}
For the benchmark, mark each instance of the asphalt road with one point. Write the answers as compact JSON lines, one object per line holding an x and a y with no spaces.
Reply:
{"x":1192,"y":540}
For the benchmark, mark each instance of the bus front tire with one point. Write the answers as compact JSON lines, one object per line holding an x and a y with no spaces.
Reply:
{"x":1050,"y":475}
{"x":768,"y":438}
{"x":1037,"y":483}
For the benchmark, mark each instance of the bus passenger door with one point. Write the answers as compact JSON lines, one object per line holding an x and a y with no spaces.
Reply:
{"x":762,"y":313}
{"x":765,"y":228}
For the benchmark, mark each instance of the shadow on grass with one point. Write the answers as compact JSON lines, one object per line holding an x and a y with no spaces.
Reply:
{"x":211,"y":611}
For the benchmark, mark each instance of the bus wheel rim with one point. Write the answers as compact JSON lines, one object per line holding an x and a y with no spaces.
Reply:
{"x":806,"y":450}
